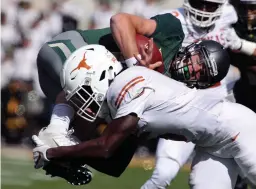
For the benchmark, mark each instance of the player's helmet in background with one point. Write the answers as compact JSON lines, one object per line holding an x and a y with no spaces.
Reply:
{"x":246,"y":10}
{"x":86,"y":77}
{"x":200,"y":64}
{"x":203,"y":13}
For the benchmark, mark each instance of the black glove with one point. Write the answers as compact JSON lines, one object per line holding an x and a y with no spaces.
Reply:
{"x":75,"y":175}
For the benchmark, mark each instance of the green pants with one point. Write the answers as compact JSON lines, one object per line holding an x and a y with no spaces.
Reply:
{"x":51,"y":58}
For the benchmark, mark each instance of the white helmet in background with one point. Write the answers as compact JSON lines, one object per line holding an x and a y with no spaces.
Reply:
{"x":203,"y":13}
{"x":86,"y":77}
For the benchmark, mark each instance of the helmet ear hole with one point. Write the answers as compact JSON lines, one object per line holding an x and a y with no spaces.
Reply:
{"x":111,"y":72}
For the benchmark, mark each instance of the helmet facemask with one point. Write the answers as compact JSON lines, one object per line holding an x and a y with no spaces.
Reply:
{"x":87,"y":102}
{"x":194,"y":67}
{"x":203,"y":13}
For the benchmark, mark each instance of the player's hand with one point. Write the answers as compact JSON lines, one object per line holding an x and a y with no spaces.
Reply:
{"x":146,"y":56}
{"x":232,"y":40}
{"x":39,"y":153}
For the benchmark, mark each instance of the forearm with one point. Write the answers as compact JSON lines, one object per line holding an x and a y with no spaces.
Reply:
{"x":102,"y":147}
{"x":124,"y":28}
{"x":254,"y":53}
{"x":124,"y":33}
{"x":116,"y":163}
{"x":92,"y":148}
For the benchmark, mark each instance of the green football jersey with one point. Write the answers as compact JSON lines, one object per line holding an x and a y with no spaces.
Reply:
{"x":168,"y":36}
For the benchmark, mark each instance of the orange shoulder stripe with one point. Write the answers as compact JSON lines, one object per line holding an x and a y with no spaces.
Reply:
{"x":126,"y":88}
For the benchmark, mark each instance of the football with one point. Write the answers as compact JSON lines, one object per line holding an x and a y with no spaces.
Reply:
{"x":157,"y":55}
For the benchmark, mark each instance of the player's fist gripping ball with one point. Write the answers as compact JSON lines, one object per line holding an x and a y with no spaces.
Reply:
{"x":157,"y":55}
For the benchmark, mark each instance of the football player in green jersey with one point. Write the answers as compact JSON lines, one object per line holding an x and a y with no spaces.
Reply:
{"x":53,"y":54}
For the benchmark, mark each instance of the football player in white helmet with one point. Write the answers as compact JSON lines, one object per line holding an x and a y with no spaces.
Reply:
{"x":144,"y":101}
{"x":85,"y":84}
{"x":203,"y":13}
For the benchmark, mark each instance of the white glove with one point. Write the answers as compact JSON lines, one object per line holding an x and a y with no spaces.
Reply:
{"x":53,"y":138}
{"x":39,"y":153}
{"x":232,"y":40}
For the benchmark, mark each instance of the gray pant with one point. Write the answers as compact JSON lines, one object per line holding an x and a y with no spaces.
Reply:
{"x":51,"y":58}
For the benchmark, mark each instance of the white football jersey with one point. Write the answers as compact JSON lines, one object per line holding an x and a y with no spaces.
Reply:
{"x":164,"y":105}
{"x":193,"y":34}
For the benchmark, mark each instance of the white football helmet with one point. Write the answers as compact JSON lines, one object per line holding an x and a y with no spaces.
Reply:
{"x":203,"y":13}
{"x":86,"y":76}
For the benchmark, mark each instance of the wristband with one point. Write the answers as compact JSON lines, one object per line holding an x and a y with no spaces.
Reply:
{"x":248,"y":47}
{"x":132,"y":61}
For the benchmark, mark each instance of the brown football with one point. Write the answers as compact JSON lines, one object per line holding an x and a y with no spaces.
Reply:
{"x":157,"y":55}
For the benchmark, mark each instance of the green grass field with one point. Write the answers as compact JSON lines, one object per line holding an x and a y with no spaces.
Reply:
{"x":19,"y":173}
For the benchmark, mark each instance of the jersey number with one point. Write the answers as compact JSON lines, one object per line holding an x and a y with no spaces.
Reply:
{"x":63,"y":48}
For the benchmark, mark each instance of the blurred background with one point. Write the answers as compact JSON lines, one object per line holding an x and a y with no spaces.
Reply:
{"x":25,"y":26}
